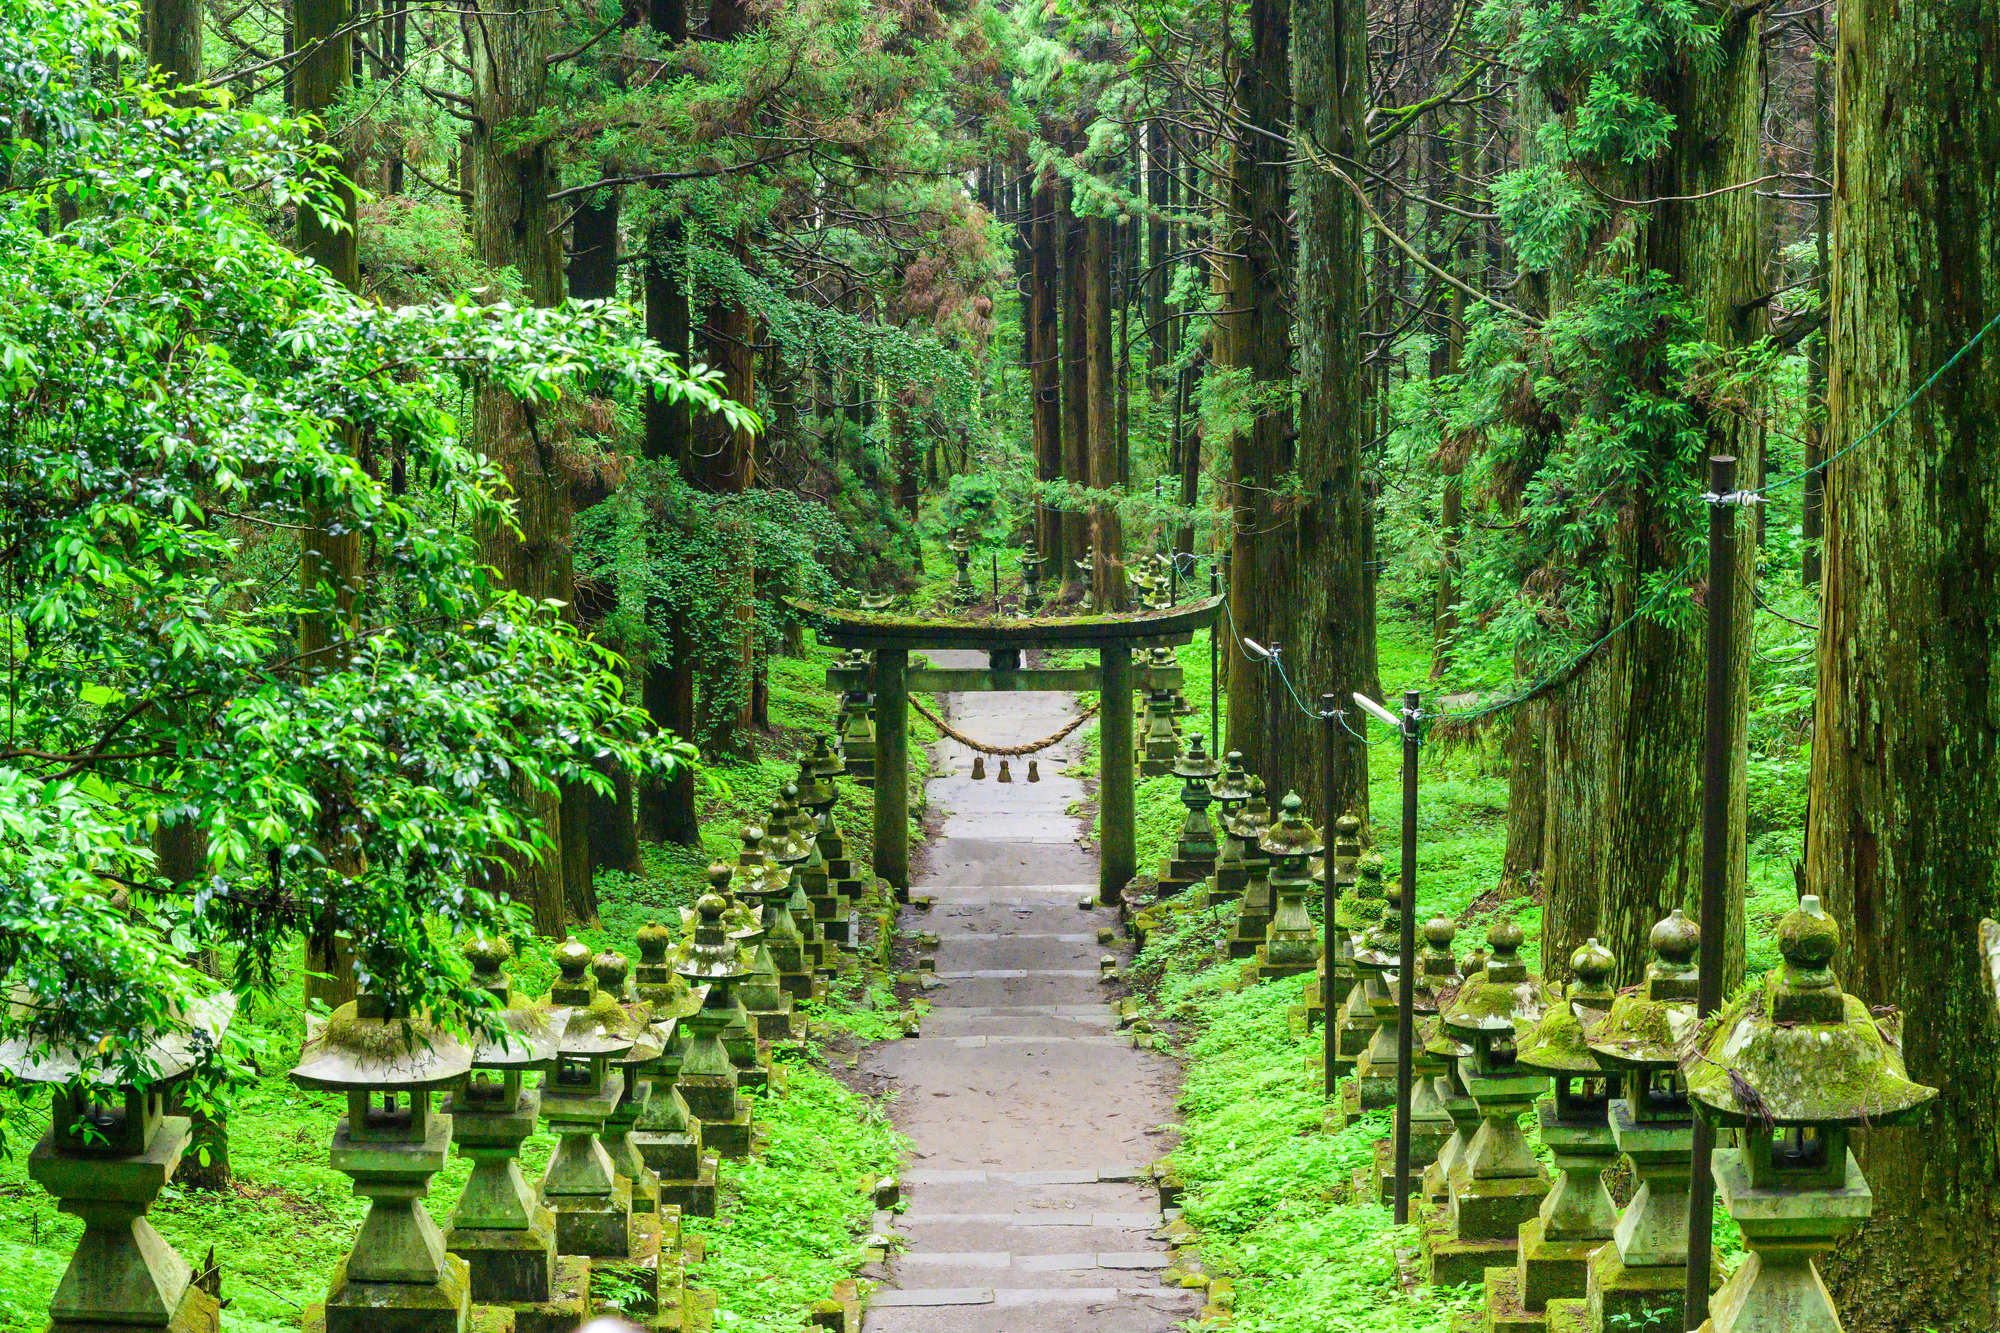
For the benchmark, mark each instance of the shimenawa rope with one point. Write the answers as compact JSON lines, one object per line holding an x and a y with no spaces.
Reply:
{"x":999,"y":751}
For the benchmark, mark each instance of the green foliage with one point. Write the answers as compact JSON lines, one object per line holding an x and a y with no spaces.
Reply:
{"x":184,"y":400}
{"x":788,"y":1231}
{"x":680,"y":561}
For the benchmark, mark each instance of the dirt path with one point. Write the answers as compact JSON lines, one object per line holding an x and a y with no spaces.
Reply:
{"x":1034,"y":1120}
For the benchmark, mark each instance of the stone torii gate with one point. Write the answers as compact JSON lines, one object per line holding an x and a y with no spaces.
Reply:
{"x":893,"y":638}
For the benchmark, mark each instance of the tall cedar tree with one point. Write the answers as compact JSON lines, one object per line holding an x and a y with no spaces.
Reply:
{"x":1324,"y":547}
{"x":1904,"y":832}
{"x":1623,"y":738}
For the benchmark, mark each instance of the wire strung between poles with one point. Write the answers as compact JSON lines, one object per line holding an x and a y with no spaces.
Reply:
{"x":1002,"y":751}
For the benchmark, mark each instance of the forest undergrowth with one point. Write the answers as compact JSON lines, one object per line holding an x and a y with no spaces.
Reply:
{"x":792,"y":1221}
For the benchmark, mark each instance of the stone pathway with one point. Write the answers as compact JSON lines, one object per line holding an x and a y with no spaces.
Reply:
{"x":1031,"y":1206}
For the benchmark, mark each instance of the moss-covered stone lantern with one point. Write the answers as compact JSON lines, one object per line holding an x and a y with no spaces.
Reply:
{"x":1159,"y":739}
{"x":613,"y":976}
{"x":668,"y":1136}
{"x":1577,"y":1216}
{"x":398,"y":1278}
{"x":1460,"y":1109}
{"x":1497,"y":1183}
{"x":1640,"y":1278}
{"x":1354,"y":915}
{"x":815,"y":880}
{"x":755,"y":882}
{"x":1795,"y":1065}
{"x":1194,"y":853}
{"x":1248,"y":827}
{"x":1345,"y":857}
{"x":709,"y":1080}
{"x":1376,"y":963}
{"x":1437,"y":977}
{"x":109,"y":1150}
{"x":1292,"y":941}
{"x":789,"y":938}
{"x":1231,"y":792}
{"x":857,"y":743}
{"x":593,"y":1206}
{"x":501,"y":1230}
{"x":1032,"y":561}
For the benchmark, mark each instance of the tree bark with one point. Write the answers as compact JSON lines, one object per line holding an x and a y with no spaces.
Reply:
{"x":1107,"y":538}
{"x":1813,"y":492}
{"x":1274,"y":525}
{"x":1045,"y":378}
{"x":1903,"y":839}
{"x":173,"y":39}
{"x":329,"y":558}
{"x":514,"y":227}
{"x":1075,"y":381}
{"x":1623,"y":744}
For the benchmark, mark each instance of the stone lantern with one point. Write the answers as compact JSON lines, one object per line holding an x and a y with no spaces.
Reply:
{"x":1291,"y":941}
{"x":399,"y":1277}
{"x":1159,"y":740}
{"x":500,"y":1228}
{"x":1194,"y":854}
{"x":668,"y":1136}
{"x":960,"y":545}
{"x":1355,"y":915}
{"x":1032,"y":561}
{"x":1248,"y":828}
{"x":1445,"y":1051}
{"x":592,"y":1204}
{"x":1437,"y":977}
{"x":1496,"y":1184}
{"x":109,"y":1150}
{"x":1796,"y":1065}
{"x":613,"y":975}
{"x":1346,"y":861}
{"x":832,"y":846}
{"x":1231,"y":792}
{"x":1577,"y":1217}
{"x":709,"y":1080}
{"x":754,"y":882}
{"x":1641,"y":1277}
{"x":857,"y":743}
{"x":1376,"y":963}
{"x":1086,"y":570}
{"x":792,"y":846}
{"x":829,"y":913}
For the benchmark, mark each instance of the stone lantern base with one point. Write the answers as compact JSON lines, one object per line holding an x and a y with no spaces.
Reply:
{"x":686,"y":1173}
{"x":397,"y":1307}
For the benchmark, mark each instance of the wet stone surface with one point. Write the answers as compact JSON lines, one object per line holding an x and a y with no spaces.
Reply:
{"x":1031,"y":1206}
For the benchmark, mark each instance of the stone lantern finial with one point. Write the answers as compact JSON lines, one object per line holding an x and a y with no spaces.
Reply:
{"x":1795,"y":1065}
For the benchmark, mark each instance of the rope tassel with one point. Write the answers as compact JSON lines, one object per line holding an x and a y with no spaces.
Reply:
{"x":979,"y":768}
{"x":1034,"y":770}
{"x":1005,"y":776}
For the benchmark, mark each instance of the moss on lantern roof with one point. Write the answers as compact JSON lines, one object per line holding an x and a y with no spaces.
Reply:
{"x":1644,"y":1032}
{"x":1760,"y":1068}
{"x":355,"y":1047}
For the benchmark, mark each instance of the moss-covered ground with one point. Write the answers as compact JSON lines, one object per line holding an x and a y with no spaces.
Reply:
{"x":792,"y":1219}
{"x":1267,"y":1188}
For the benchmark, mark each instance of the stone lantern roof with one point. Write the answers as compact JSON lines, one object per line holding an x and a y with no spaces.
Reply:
{"x":521,"y":1035}
{"x":165,"y":1056}
{"x":587,"y":1022}
{"x":1290,"y":835}
{"x":1197,"y":764}
{"x":1560,"y":1042}
{"x":1649,"y":1025}
{"x":710,"y":955}
{"x":1250,"y":822}
{"x":1800,"y":1051}
{"x":1505,"y":997}
{"x":1234,"y":784}
{"x":361,"y":1046}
